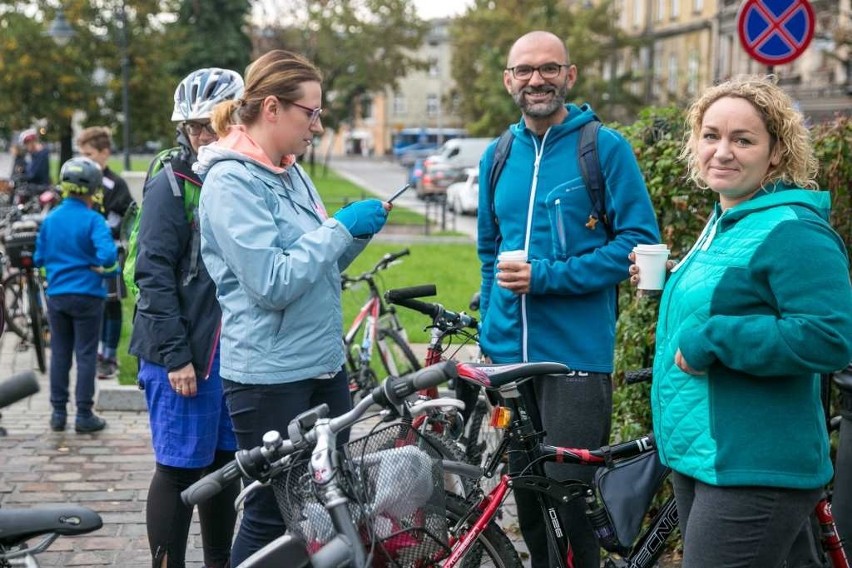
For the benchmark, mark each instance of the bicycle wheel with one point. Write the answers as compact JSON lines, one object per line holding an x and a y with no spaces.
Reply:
{"x":491,"y":548}
{"x":37,"y":320}
{"x":14,"y":305}
{"x":483,"y":441}
{"x":397,"y":357}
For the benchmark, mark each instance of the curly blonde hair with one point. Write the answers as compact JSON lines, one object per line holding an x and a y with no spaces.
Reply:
{"x":785,"y":124}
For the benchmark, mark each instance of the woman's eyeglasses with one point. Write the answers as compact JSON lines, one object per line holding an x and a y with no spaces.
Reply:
{"x":196,"y":128}
{"x":313,"y":113}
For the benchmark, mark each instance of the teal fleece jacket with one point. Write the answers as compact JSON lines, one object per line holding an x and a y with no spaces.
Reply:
{"x":541,"y":205}
{"x":763,"y":304}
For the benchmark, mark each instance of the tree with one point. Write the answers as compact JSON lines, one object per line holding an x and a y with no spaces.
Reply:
{"x":361,"y":46}
{"x":212,"y":33}
{"x":486,"y":32}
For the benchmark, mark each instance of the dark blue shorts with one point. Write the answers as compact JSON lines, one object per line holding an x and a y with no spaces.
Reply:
{"x":186,"y":432}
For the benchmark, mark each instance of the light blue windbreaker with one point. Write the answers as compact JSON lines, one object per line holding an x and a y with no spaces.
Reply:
{"x":276,"y":259}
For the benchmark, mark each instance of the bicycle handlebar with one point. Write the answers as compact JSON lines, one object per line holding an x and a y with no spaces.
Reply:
{"x":18,"y":387}
{"x":638,"y":376}
{"x":383,"y":263}
{"x":257,"y":462}
{"x":405,"y":297}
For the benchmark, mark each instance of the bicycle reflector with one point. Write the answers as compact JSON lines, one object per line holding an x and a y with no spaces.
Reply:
{"x":500,"y":417}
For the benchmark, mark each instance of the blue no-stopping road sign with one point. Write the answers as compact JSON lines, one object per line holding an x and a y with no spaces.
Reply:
{"x":774,"y":32}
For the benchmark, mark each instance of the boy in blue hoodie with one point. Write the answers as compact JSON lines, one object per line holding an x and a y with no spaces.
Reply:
{"x":75,"y":247}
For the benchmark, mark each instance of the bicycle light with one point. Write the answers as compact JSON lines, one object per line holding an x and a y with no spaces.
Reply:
{"x":501,"y":417}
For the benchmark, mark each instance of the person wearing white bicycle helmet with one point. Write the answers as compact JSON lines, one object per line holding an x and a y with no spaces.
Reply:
{"x":176,"y":336}
{"x":76,"y":249}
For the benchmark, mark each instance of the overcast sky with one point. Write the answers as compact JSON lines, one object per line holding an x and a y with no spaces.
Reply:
{"x":440,"y":8}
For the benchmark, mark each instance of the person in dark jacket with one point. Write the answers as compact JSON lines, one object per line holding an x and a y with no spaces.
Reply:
{"x":176,"y":337}
{"x":35,"y":176}
{"x":112,"y":201}
{"x":75,"y":248}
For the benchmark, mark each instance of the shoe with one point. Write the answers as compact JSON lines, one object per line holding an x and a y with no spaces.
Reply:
{"x":57,"y":421}
{"x":105,"y":368}
{"x":87,"y":424}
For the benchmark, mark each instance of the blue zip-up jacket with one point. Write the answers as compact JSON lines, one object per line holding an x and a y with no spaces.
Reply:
{"x":542,"y":206}
{"x":762,"y":303}
{"x":276,"y":260}
{"x":72,"y":239}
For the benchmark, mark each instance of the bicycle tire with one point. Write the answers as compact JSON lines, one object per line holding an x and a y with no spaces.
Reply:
{"x":483,"y":441}
{"x":14,"y":305}
{"x":37,"y":323}
{"x":403,"y":360}
{"x":492,"y":548}
{"x":455,"y":484}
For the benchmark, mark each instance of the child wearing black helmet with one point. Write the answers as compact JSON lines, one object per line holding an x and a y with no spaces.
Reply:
{"x":75,"y":247}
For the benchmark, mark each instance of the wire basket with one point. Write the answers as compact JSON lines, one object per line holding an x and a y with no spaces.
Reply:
{"x":20,"y":244}
{"x":395,"y":484}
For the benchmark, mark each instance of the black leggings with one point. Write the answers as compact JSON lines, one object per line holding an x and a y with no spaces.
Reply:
{"x":168,"y":519}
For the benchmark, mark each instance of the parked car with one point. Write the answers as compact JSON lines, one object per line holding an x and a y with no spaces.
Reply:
{"x":449,"y":164}
{"x":463,"y":196}
{"x":415,"y":174}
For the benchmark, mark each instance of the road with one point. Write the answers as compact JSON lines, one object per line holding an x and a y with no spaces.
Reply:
{"x":383,"y":177}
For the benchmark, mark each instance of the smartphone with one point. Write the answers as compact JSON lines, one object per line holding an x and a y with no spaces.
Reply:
{"x":401,"y":190}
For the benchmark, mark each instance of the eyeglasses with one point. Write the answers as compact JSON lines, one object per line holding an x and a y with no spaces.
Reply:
{"x":547,"y":71}
{"x":313,"y":113}
{"x":196,"y":128}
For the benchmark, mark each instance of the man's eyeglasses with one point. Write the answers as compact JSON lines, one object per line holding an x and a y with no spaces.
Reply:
{"x":313,"y":113}
{"x":547,"y":71}
{"x":196,"y":128}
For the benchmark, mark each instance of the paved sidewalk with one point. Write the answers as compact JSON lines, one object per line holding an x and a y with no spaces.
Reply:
{"x":108,"y":471}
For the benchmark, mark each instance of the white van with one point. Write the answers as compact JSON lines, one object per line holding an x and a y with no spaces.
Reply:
{"x":450,"y":163}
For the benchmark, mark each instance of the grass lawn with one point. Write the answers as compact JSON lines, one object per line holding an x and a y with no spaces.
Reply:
{"x":454,"y":268}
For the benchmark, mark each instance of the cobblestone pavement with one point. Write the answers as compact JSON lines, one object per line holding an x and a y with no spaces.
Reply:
{"x":108,"y":471}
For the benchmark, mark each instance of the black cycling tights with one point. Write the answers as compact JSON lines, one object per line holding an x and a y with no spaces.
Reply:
{"x":168,"y":519}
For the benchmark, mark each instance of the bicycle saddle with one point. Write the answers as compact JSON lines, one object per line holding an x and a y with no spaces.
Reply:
{"x":495,"y":376}
{"x":17,"y":525}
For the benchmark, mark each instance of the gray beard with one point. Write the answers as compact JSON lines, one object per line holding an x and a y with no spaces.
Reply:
{"x":541,"y":110}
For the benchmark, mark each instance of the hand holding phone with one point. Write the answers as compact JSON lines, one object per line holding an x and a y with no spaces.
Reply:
{"x":399,"y":192}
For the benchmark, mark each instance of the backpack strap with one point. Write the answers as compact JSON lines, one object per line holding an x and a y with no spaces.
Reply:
{"x":590,"y":167}
{"x":195,"y":244}
{"x":498,"y":161}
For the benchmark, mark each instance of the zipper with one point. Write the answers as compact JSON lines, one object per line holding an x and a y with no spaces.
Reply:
{"x":560,"y":228}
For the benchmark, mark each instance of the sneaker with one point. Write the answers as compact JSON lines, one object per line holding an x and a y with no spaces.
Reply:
{"x":106,"y":368}
{"x":57,"y":421}
{"x":88,"y":424}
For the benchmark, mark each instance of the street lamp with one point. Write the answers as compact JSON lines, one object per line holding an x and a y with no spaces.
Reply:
{"x":62,"y":33}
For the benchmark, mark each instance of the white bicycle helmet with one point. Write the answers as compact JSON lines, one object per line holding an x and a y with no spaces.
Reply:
{"x":203,"y":89}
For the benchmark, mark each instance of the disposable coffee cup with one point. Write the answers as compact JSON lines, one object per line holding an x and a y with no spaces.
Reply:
{"x":651,"y":260}
{"x":519,"y":255}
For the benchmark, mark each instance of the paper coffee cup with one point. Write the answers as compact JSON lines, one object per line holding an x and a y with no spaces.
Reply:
{"x":651,"y":260}
{"x":519,"y":255}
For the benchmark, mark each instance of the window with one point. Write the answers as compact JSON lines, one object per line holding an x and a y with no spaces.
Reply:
{"x":661,"y":10}
{"x":692,"y":73}
{"x":434,"y":69}
{"x":697,"y":6}
{"x":675,"y":8}
{"x":656,"y":91}
{"x":399,"y":106}
{"x":366,"y":107}
{"x":672,"y":86}
{"x":637,"y":13}
{"x":432,"y":105}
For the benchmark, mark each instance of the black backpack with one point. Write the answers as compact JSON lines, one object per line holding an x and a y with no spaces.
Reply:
{"x":590,"y":167}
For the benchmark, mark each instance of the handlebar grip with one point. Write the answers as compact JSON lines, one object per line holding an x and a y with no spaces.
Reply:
{"x":397,"y":294}
{"x":18,"y":387}
{"x":210,"y":484}
{"x":426,"y":308}
{"x":638,"y":376}
{"x":391,"y":256}
{"x":398,"y":389}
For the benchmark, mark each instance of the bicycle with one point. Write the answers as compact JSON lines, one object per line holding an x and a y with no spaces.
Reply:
{"x":376,"y":501}
{"x":18,"y":526}
{"x":379,"y":325}
{"x":473,"y":428}
{"x":616,"y":518}
{"x":25,"y":302}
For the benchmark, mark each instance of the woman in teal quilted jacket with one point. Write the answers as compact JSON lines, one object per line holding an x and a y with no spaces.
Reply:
{"x":758,"y":308}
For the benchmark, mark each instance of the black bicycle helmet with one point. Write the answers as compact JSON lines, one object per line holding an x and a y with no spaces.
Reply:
{"x":83,"y":173}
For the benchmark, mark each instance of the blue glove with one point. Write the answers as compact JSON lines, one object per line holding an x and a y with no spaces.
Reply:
{"x":363,"y":218}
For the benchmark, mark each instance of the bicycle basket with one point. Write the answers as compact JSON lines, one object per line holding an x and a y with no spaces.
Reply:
{"x":626,"y":490}
{"x":20,"y":244}
{"x":395,"y":484}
